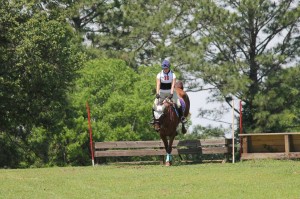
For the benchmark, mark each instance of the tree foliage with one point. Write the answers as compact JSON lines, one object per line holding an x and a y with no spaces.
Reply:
{"x":252,"y":44}
{"x":278,"y":102}
{"x":120,"y":101}
{"x":230,"y":47}
{"x":39,"y":57}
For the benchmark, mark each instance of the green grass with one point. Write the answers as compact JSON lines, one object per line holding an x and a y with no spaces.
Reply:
{"x":249,"y":179}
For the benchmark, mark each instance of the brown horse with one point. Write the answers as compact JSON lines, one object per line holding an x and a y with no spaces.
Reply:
{"x":167,"y":124}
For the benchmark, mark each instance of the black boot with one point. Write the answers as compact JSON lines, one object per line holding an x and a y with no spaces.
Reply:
{"x":153,"y":118}
{"x":181,"y":116}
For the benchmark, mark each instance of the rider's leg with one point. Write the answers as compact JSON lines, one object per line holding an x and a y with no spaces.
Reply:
{"x":153,"y":109}
{"x":181,"y":116}
{"x":179,"y":109}
{"x":153,"y":118}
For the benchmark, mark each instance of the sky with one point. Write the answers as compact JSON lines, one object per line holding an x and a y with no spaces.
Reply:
{"x":199,"y":100}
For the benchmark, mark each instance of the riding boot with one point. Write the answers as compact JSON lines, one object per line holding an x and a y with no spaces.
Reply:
{"x":153,"y":118}
{"x":181,"y":116}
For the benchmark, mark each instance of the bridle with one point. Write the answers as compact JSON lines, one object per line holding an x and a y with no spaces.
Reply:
{"x":157,"y":122}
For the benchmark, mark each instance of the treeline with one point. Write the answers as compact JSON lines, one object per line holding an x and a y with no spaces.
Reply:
{"x":120,"y":100}
{"x":56,"y":55}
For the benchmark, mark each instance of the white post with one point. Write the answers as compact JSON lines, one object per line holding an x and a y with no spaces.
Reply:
{"x":232,"y":130}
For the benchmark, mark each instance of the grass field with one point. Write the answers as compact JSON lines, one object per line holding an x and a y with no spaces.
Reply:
{"x":266,"y":179}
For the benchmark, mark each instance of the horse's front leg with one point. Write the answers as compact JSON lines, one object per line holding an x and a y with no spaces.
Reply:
{"x":165,"y":141}
{"x":169,"y":151}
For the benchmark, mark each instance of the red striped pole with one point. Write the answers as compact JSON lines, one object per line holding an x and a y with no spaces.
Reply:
{"x":90,"y":130}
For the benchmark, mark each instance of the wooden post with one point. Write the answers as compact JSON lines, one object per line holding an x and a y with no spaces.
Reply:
{"x":241,"y":128}
{"x":245,"y":144}
{"x":162,"y":159}
{"x":227,"y":145}
{"x":287,"y":145}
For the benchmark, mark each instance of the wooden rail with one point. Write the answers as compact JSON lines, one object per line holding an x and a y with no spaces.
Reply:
{"x":156,"y":148}
{"x":270,"y":145}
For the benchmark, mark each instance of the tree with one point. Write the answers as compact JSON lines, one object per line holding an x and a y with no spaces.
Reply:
{"x":230,"y":47}
{"x":39,"y":58}
{"x":120,"y":100}
{"x":278,"y":102}
{"x":136,"y":31}
{"x":238,"y":48}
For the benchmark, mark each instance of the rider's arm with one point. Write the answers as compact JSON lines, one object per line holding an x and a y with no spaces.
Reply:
{"x":157,"y":85}
{"x":173,"y":85}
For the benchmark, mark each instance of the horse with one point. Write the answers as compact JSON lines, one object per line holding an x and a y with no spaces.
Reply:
{"x":167,"y":123}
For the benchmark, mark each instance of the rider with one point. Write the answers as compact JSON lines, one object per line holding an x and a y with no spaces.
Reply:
{"x":165,"y":83}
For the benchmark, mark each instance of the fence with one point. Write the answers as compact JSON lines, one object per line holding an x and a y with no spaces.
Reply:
{"x":270,"y":145}
{"x":156,"y":148}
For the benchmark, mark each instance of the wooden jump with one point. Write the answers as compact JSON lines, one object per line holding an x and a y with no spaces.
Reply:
{"x":270,"y":146}
{"x":156,"y":148}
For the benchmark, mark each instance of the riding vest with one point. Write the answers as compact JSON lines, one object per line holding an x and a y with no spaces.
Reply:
{"x":166,"y":80}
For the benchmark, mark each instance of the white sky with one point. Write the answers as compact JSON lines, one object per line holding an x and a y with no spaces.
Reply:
{"x":198,"y":100}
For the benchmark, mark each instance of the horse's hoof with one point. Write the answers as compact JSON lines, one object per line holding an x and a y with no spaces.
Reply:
{"x":168,"y":164}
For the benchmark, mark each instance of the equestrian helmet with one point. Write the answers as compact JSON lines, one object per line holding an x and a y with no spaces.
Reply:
{"x":165,"y":64}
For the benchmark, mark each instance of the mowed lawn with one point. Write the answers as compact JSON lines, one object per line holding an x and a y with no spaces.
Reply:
{"x":249,"y":179}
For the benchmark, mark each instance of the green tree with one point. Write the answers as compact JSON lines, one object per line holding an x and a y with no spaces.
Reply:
{"x":239,"y":48}
{"x":230,"y":47}
{"x":278,"y":102}
{"x":138,"y":31}
{"x":120,"y":101}
{"x":39,"y":58}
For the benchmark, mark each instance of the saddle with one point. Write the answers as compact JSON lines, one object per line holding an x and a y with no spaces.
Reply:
{"x":159,"y":109}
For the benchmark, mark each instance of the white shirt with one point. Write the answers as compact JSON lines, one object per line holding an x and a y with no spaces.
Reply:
{"x":166,"y":81}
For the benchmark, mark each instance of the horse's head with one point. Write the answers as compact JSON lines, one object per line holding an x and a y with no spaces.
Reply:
{"x":166,"y":106}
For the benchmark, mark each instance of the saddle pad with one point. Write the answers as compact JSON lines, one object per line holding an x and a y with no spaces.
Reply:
{"x":158,"y":112}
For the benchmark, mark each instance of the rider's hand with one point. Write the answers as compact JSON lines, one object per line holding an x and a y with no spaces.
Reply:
{"x":170,"y":96}
{"x":157,"y":96}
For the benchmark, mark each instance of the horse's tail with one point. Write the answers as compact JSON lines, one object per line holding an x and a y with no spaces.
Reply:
{"x":183,"y":95}
{"x":187,"y":105}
